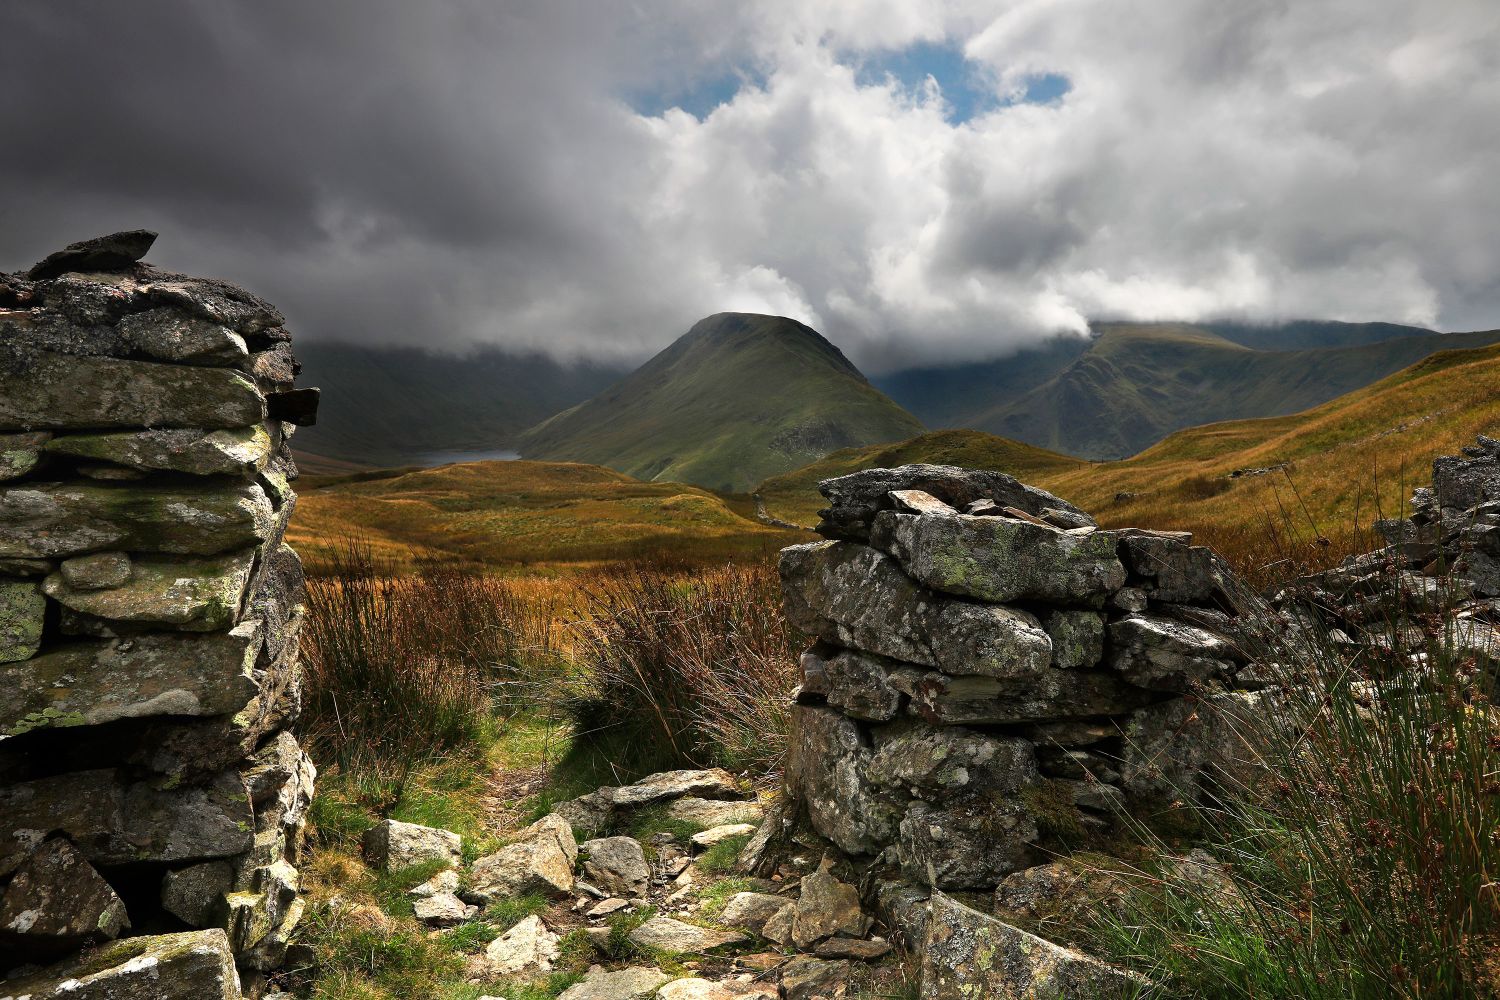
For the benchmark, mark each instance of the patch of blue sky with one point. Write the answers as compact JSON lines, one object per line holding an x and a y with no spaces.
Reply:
{"x":698,"y":97}
{"x":968,"y":88}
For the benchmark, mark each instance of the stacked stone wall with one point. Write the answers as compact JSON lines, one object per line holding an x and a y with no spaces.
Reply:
{"x":995,"y":679}
{"x":149,"y":618}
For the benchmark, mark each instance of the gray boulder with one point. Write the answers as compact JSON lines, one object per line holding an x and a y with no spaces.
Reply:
{"x":862,"y":685}
{"x":617,"y":865}
{"x":751,"y":910}
{"x":678,"y":938}
{"x":541,"y":860}
{"x":827,"y":770}
{"x":1002,"y":559}
{"x":634,"y":983}
{"x":528,"y":948}
{"x":1173,"y":570}
{"x":170,"y":335}
{"x":391,"y":845}
{"x":197,"y":964}
{"x":827,"y":907}
{"x":1165,"y":655}
{"x":195,"y":894}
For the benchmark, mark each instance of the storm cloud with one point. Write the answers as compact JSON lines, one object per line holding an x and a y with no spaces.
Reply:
{"x":524,"y":174}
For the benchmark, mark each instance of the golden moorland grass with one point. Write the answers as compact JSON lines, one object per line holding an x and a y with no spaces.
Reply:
{"x":526,"y":516}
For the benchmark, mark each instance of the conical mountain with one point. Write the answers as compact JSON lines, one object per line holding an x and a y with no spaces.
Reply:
{"x":738,"y":398}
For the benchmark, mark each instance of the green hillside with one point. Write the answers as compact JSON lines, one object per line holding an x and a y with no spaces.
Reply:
{"x":399,"y":406}
{"x":738,"y":398}
{"x":1137,"y":383}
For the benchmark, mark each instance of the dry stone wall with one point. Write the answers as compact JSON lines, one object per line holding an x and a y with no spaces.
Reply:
{"x":995,"y":678}
{"x":150,"y":790}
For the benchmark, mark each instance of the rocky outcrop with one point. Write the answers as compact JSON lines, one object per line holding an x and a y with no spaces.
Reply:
{"x":994,"y":681}
{"x":149,"y":614}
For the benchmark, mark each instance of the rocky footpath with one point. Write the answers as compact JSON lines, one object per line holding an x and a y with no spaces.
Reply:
{"x":150,"y":793}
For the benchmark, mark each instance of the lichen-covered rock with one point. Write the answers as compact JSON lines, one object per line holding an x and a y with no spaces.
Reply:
{"x":528,"y":949}
{"x":261,"y":902}
{"x":46,"y":520}
{"x":714,"y":783}
{"x":634,"y":983}
{"x":19,"y":453}
{"x":1002,"y":559}
{"x":234,"y":451}
{"x":391,"y":845}
{"x":194,"y":595}
{"x":937,"y":762}
{"x":23,"y":611}
{"x":714,"y":812}
{"x":968,"y":845}
{"x":1166,"y":655}
{"x":676,"y":937}
{"x":806,"y":978}
{"x":99,"y":253}
{"x":617,"y":865}
{"x":195,"y":894}
{"x":751,"y":910}
{"x":862,"y":685}
{"x":43,"y":390}
{"x":827,"y":770}
{"x":56,"y":902}
{"x":855,"y":499}
{"x":1174,"y":570}
{"x":96,"y":570}
{"x":92,"y":683}
{"x":967,"y":954}
{"x":852,"y":596}
{"x":170,"y":335}
{"x":541,"y":861}
{"x":195,"y":964}
{"x":825,"y":907}
{"x":1077,"y":637}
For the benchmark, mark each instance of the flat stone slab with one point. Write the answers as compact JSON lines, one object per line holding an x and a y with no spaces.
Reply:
{"x":635,"y":983}
{"x":195,"y":964}
{"x":56,"y":902}
{"x":194,"y":595}
{"x":240,"y":450}
{"x":1056,"y":694}
{"x":46,"y":520}
{"x":56,"y":391}
{"x":19,"y":453}
{"x":714,"y":812}
{"x":1166,"y":655}
{"x":1002,"y":559}
{"x":99,"y":253}
{"x":714,"y":783}
{"x":718,"y":834}
{"x":91,"y":683}
{"x":677,"y":937}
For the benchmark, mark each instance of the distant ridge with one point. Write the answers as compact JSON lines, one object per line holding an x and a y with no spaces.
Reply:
{"x":738,"y":398}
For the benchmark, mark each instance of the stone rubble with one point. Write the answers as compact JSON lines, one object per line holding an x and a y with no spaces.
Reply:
{"x":149,"y":614}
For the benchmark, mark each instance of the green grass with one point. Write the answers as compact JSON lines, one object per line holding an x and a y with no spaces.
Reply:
{"x":721,"y":857}
{"x":713,"y":897}
{"x":739,"y":398}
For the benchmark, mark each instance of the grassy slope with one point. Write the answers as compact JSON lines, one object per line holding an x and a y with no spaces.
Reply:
{"x":388,"y":406}
{"x":514,"y":514}
{"x":1140,"y":382}
{"x":1348,"y":457}
{"x":740,"y":397}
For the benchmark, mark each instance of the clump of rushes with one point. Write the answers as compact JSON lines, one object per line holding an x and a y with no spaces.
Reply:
{"x":406,"y":668}
{"x":689,"y":670}
{"x":1364,"y":861}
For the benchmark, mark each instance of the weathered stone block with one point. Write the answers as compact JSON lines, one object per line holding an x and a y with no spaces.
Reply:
{"x":195,"y":894}
{"x":1001,"y":559}
{"x":1166,"y":655}
{"x":23,"y":612}
{"x":391,"y":845}
{"x":236,"y":451}
{"x":194,"y":595}
{"x":19,"y":453}
{"x":966,"y":846}
{"x":96,"y":570}
{"x":1175,"y":570}
{"x":1055,"y":694}
{"x":540,"y":861}
{"x":170,"y":335}
{"x":827,"y":769}
{"x":57,"y":902}
{"x":91,"y":683}
{"x":863,"y":685}
{"x":853,"y":596}
{"x":1077,"y":637}
{"x":947,"y":761}
{"x":1174,"y":747}
{"x":45,"y":520}
{"x":617,"y":865}
{"x":968,"y":954}
{"x":195,"y":964}
{"x":50,"y":391}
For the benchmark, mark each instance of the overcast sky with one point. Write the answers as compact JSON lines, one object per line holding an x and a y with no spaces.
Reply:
{"x":921,"y":180}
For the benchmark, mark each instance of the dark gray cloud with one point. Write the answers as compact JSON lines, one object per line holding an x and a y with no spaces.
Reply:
{"x":472,"y":170}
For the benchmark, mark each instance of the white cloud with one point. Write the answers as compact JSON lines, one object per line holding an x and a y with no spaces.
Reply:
{"x":472,"y":171}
